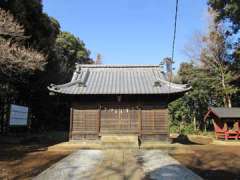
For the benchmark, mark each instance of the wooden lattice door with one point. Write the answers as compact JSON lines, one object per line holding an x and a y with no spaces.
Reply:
{"x":85,"y":123}
{"x":119,"y":119}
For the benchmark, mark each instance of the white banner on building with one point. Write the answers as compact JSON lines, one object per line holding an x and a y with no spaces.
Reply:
{"x":18,"y":115}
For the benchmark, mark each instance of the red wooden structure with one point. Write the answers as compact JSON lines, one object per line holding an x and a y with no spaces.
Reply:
{"x":226,"y":122}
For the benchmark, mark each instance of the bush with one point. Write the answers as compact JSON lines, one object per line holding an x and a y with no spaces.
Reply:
{"x":183,"y":128}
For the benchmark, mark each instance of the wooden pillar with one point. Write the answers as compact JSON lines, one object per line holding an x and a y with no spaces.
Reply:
{"x":99,"y":120}
{"x":71,"y":123}
{"x":167,"y":122}
{"x":140,"y":121}
{"x":2,"y":117}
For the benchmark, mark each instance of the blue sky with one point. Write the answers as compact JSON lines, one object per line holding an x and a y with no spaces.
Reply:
{"x":130,"y":31}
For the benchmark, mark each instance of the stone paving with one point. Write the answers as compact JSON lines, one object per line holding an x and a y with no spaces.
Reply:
{"x":119,"y":165}
{"x":122,"y":164}
{"x":78,"y":165}
{"x":158,"y":165}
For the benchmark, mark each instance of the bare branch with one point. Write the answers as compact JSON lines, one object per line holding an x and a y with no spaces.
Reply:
{"x":9,"y":27}
{"x":14,"y":59}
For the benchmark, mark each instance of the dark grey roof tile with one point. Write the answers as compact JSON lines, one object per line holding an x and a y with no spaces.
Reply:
{"x":222,"y":112}
{"x":118,"y":79}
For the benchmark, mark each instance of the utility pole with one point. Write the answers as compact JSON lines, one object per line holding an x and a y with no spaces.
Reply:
{"x":98,"y":59}
{"x":169,"y":68}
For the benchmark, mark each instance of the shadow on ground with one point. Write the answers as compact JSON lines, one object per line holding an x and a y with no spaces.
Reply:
{"x":192,"y":139}
{"x":211,"y":161}
{"x":183,"y":139}
{"x":173,"y":172}
{"x":24,"y":156}
{"x":14,"y":146}
{"x":167,"y":172}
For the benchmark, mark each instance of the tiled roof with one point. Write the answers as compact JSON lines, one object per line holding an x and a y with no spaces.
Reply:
{"x":118,"y":79}
{"x":223,"y":113}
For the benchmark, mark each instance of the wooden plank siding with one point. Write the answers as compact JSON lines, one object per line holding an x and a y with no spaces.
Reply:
{"x":154,"y":121}
{"x":119,"y":120}
{"x":91,"y":122}
{"x":85,"y":124}
{"x":155,"y":124}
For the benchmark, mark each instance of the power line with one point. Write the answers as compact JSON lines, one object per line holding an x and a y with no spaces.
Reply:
{"x":175,"y":30}
{"x":173,"y":43}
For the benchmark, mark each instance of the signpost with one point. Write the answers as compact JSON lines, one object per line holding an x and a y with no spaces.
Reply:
{"x":18,"y":115}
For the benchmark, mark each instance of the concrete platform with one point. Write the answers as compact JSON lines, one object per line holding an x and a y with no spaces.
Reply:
{"x":76,"y":145}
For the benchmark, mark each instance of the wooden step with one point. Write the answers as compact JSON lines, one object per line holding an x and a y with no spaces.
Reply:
{"x":119,"y":141}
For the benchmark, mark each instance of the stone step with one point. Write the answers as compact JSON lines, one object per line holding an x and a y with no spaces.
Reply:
{"x":119,"y":141}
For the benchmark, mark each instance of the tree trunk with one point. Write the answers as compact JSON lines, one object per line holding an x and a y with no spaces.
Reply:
{"x":228,"y":101}
{"x":2,"y":117}
{"x":226,"y":97}
{"x":194,"y":122}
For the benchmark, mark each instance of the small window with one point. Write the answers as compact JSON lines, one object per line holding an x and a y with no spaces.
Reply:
{"x":157,"y":83}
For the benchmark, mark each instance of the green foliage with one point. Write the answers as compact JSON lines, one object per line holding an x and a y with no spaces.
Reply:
{"x":227,"y":10}
{"x":71,"y":46}
{"x":183,"y":128}
{"x":215,"y":59}
{"x":62,"y":50}
{"x":39,"y":26}
{"x":193,"y":104}
{"x":212,"y":84}
{"x":69,"y":50}
{"x":179,"y":111}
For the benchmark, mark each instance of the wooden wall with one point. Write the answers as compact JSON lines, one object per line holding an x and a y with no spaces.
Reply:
{"x":85,"y":124}
{"x":155,"y":124}
{"x":149,"y":122}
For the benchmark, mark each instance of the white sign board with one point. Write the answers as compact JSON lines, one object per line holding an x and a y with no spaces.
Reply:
{"x":18,"y":115}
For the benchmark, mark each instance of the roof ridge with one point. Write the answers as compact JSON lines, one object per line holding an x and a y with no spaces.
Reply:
{"x":224,"y":107}
{"x":117,"y":65}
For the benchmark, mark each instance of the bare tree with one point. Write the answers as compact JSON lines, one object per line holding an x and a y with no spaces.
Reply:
{"x":210,"y":52}
{"x":215,"y":59}
{"x":194,"y":47}
{"x":14,"y":58}
{"x":9,"y":28}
